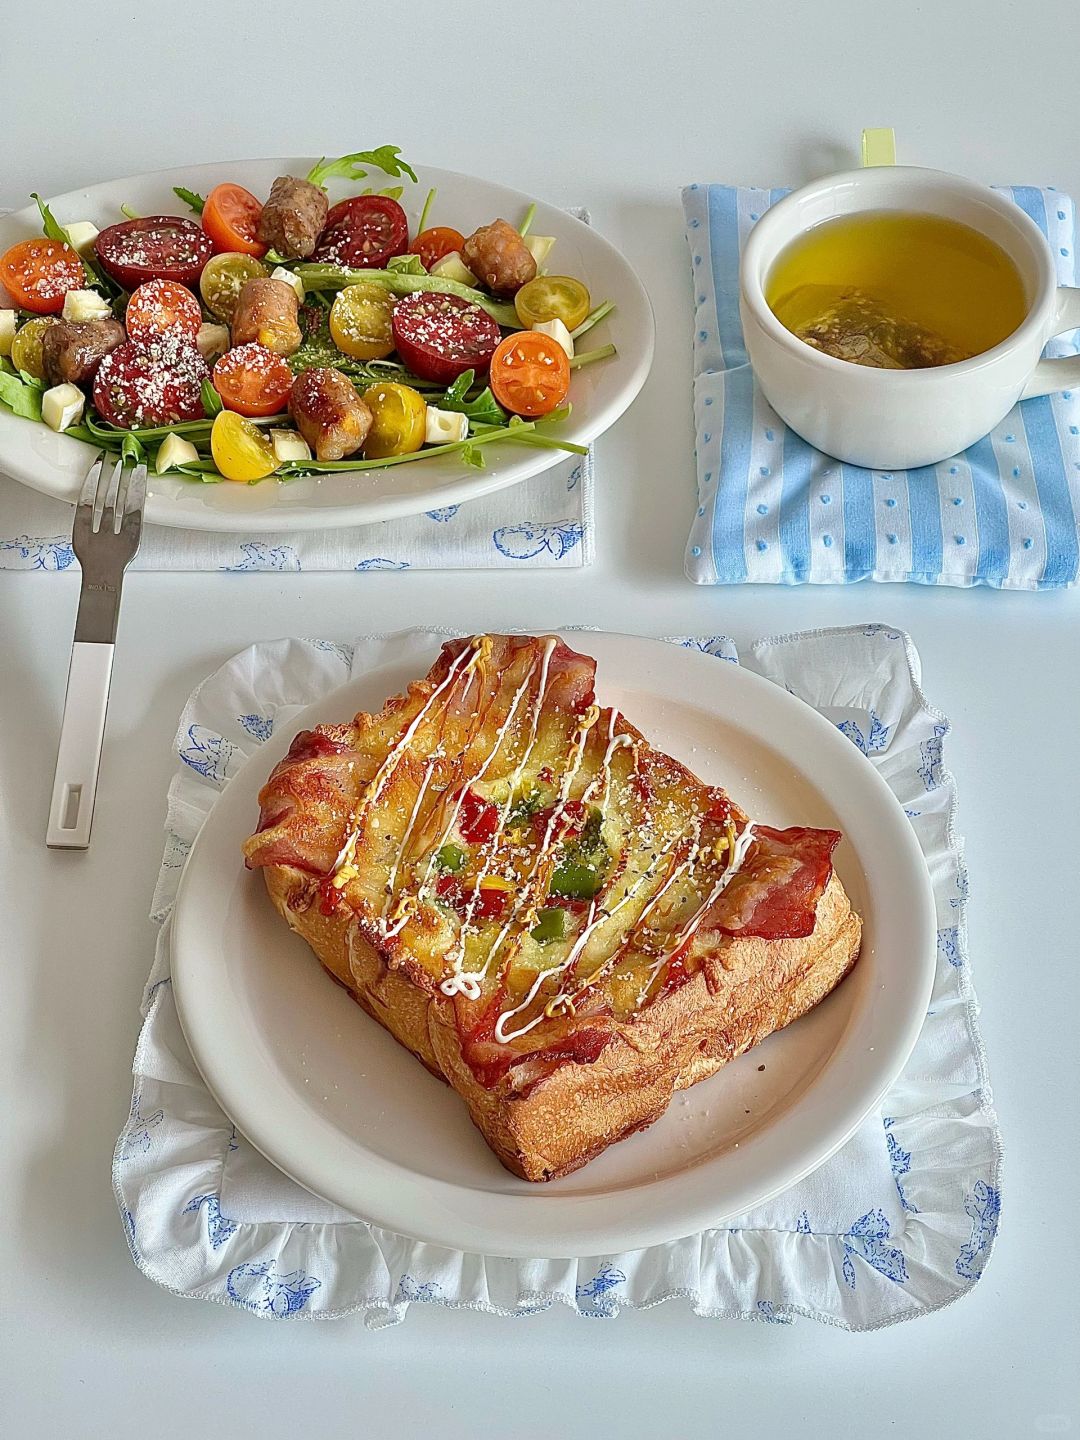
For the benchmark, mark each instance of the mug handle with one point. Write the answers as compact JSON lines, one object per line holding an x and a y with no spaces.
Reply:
{"x":1052,"y":375}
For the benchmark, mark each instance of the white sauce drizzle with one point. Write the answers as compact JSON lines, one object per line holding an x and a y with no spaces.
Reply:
{"x":593,"y":923}
{"x":374,"y":788}
{"x":742,"y":845}
{"x":468,"y":982}
{"x":549,"y":648}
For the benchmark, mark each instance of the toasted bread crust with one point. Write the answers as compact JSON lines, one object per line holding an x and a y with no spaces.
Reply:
{"x":745,"y":989}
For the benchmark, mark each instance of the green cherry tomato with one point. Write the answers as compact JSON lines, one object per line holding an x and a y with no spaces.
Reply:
{"x":552,"y":297}
{"x":222,"y":279}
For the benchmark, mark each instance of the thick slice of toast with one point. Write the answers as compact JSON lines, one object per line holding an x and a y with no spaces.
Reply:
{"x":558,"y":919}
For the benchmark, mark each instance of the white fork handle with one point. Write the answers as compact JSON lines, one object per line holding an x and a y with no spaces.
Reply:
{"x":71,"y":812}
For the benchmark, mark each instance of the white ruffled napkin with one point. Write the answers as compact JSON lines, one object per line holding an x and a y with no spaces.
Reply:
{"x":898,"y":1223}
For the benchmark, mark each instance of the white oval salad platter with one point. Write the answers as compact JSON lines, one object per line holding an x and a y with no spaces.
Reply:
{"x":336,"y":1103}
{"x":56,"y":464}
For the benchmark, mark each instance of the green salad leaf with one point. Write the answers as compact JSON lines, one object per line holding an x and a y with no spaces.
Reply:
{"x":190,"y":197}
{"x":132,"y":450}
{"x":211,"y":400}
{"x":484,"y":409}
{"x":20,"y":398}
{"x":406,"y":265}
{"x":386,"y":158}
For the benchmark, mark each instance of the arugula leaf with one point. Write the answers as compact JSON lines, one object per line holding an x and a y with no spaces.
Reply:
{"x":211,"y":400}
{"x":53,"y":230}
{"x":190,"y":197}
{"x":406,"y":265}
{"x":483,"y":410}
{"x":21,"y":399}
{"x":386,"y":158}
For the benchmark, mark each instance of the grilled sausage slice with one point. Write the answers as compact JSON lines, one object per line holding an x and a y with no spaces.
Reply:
{"x":293,"y":217}
{"x":497,"y":255}
{"x":266,"y":312}
{"x":71,"y":351}
{"x":329,"y":413}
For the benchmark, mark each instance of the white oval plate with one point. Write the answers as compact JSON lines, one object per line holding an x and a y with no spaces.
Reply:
{"x":57,"y":464}
{"x":326,"y":1094}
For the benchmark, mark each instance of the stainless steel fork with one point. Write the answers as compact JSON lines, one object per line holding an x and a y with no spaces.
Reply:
{"x":105,"y":538}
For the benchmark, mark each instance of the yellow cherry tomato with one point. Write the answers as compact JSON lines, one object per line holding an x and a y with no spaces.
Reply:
{"x":222,"y":279}
{"x":552,"y":297}
{"x":398,"y":420}
{"x":240,"y":449}
{"x":361,"y":321}
{"x":26,"y":346}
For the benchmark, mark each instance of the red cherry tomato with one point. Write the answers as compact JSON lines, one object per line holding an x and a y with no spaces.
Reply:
{"x":37,"y":274}
{"x":160,"y":307}
{"x":158,"y":247}
{"x":438,"y":337}
{"x":253,"y":380}
{"x":159,"y":384}
{"x":477,"y":819}
{"x":530,"y":373}
{"x":363,"y":233}
{"x":231,"y":218}
{"x":434,"y":244}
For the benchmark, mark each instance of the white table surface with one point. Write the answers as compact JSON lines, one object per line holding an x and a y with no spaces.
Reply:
{"x":615,"y":106}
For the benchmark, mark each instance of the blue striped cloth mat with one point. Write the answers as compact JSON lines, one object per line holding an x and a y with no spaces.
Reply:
{"x":772,"y":509}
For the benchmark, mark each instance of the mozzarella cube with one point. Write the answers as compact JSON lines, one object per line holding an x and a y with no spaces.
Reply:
{"x":62,"y":406}
{"x":8,"y":326}
{"x":539,"y":247}
{"x":288,"y":445}
{"x":445,"y":427}
{"x":83,"y":305}
{"x":174,"y":450}
{"x":452,"y":267}
{"x":81,"y":236}
{"x":557,"y":331}
{"x":280,"y":273}
{"x":212,"y":341}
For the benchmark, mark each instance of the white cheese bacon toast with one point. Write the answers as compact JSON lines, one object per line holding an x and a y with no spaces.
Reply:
{"x":558,"y":919}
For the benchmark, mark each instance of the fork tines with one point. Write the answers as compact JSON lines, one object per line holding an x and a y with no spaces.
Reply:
{"x":112,"y":499}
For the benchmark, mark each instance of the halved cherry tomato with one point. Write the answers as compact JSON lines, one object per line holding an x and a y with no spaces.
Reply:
{"x":160,"y":307}
{"x":362,"y":321}
{"x":530,"y":373}
{"x":240,"y":449}
{"x":156,"y":247}
{"x":433,"y":244}
{"x":253,"y":380}
{"x":363,"y":233}
{"x":398,"y":421}
{"x":553,"y":297}
{"x":224,"y":277}
{"x":37,"y":274}
{"x":478,"y":819}
{"x":231,"y":218}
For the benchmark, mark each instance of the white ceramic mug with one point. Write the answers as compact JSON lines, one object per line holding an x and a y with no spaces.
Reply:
{"x":900,"y":419}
